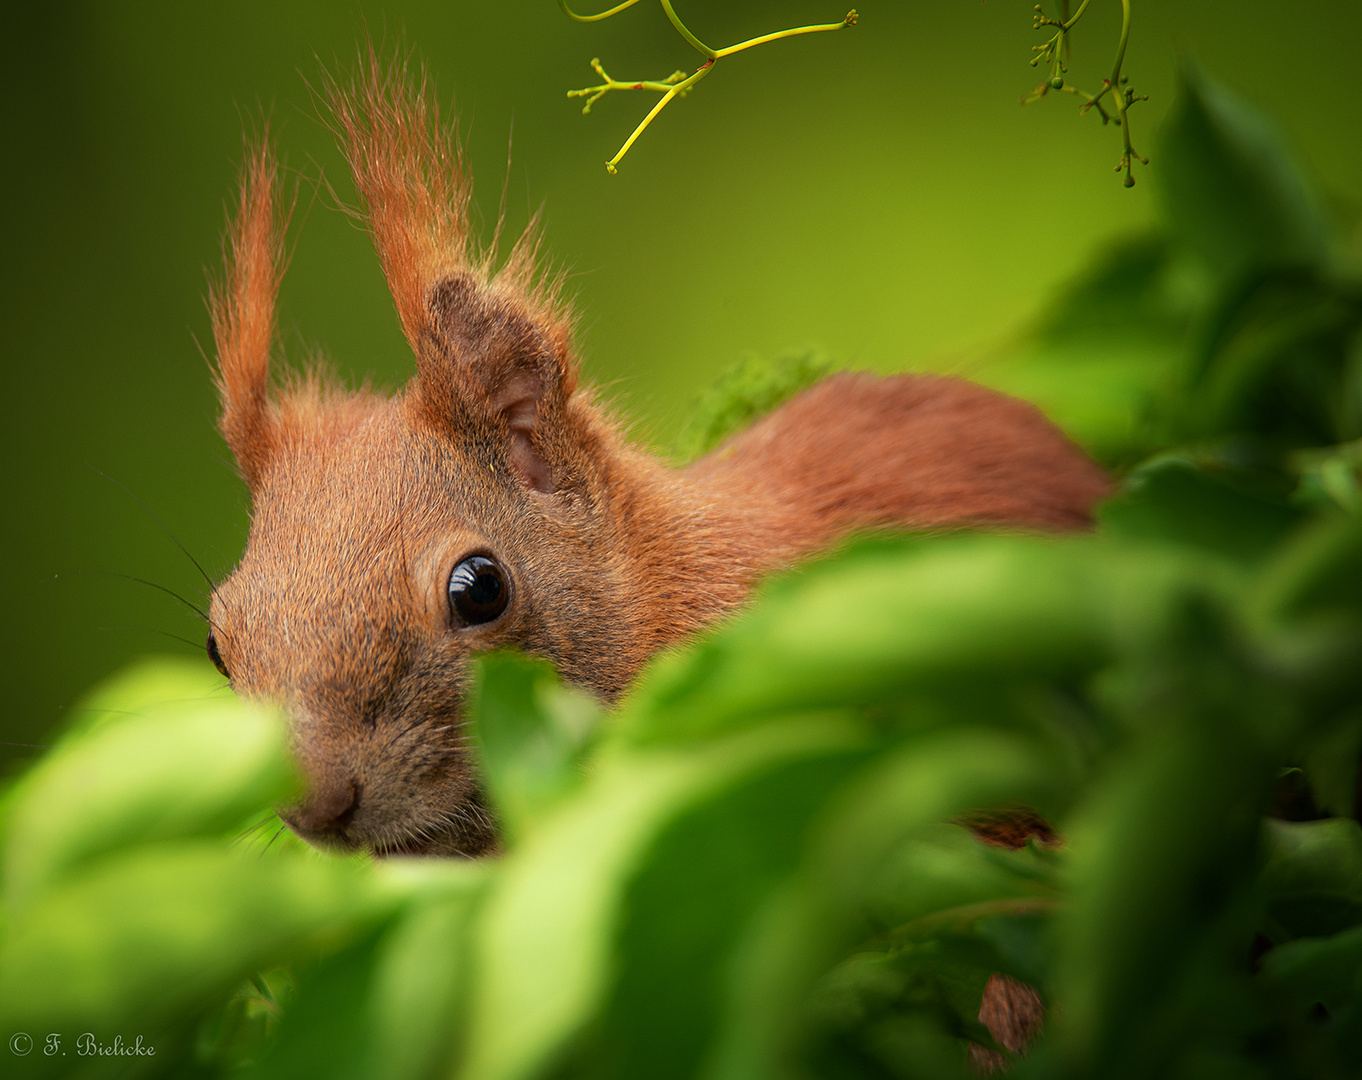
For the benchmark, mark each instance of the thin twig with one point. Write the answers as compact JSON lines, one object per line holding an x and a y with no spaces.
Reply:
{"x":678,"y":83}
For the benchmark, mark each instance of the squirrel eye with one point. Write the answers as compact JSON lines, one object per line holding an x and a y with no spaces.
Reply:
{"x":478,"y":590}
{"x":215,"y":656}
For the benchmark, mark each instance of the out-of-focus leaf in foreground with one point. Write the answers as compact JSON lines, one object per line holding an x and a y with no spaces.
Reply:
{"x":162,"y":753}
{"x":1233,"y":193}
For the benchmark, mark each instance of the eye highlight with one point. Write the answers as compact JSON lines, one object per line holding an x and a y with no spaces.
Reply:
{"x":215,"y":656}
{"x":479,"y":590}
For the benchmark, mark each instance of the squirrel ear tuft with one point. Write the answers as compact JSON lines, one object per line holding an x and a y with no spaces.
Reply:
{"x":484,"y":359}
{"x":242,"y":305}
{"x":491,"y":347}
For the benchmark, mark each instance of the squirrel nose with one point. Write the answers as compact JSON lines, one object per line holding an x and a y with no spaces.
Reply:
{"x":328,"y":808}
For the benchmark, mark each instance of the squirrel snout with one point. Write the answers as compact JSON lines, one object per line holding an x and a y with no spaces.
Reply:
{"x":327,"y":811}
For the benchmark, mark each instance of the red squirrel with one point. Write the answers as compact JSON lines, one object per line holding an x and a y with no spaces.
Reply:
{"x":494,"y":502}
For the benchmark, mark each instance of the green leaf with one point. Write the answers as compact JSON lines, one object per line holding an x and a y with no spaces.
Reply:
{"x":1271,"y":369}
{"x":1104,"y":354}
{"x":417,"y":1001}
{"x":1331,"y":479}
{"x":1172,"y":500}
{"x":160,"y":931}
{"x":323,"y":1031}
{"x":532,"y":731}
{"x":746,"y":392}
{"x":1232,"y":192}
{"x":837,"y":900}
{"x":942,"y":874}
{"x":879,"y":621}
{"x":896,"y":808}
{"x":876,"y":1014}
{"x":545,"y":949}
{"x":167,"y":754}
{"x":388,"y":1004}
{"x":1313,"y":876}
{"x":1163,"y":846}
{"x":1330,"y":761}
{"x":1319,"y":574}
{"x":1327,"y":971}
{"x":687,"y":907}
{"x":939,"y":978}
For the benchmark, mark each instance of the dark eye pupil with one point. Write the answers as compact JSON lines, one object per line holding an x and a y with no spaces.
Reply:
{"x":485,"y":589}
{"x":478,"y":591}
{"x":215,"y":656}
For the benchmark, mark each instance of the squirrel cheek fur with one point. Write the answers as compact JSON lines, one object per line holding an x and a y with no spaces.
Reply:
{"x":363,"y":504}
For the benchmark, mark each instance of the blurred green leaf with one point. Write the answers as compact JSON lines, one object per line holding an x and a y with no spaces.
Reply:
{"x":935,"y":776}
{"x":943,"y":873}
{"x":1171,"y":499}
{"x":746,"y":392}
{"x":940,"y":978}
{"x":941,"y":615}
{"x":1318,"y":574}
{"x":545,"y":954}
{"x":836,"y":905}
{"x":688,"y":904}
{"x":1313,"y":876}
{"x":416,"y":1009}
{"x":532,"y":731}
{"x":1332,"y":765}
{"x":168,"y":754}
{"x":1162,"y":846}
{"x":323,"y":1030}
{"x":1331,"y":479}
{"x":1231,"y":191}
{"x":159,"y":930}
{"x":1271,"y":368}
{"x":389,"y":1003}
{"x":1106,"y":351}
{"x":881,"y":1015}
{"x":1313,"y":971}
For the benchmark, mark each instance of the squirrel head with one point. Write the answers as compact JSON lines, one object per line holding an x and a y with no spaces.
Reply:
{"x":393,"y":537}
{"x":491,"y":503}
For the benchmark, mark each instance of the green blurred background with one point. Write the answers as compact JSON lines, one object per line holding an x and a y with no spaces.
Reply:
{"x":877,"y":193}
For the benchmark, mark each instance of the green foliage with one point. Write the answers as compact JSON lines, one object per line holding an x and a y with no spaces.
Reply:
{"x":752,"y":868}
{"x":1226,"y":167}
{"x":1235,"y":336}
{"x":746,"y":392}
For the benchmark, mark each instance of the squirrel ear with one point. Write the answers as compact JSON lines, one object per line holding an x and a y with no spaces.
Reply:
{"x":485,"y":360}
{"x":242,"y":305}
{"x":491,"y":350}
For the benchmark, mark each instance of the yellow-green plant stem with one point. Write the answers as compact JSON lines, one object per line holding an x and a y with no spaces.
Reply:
{"x":594,"y":93}
{"x":595,"y":18}
{"x":1053,"y":50}
{"x":1124,"y":98}
{"x":677,"y":84}
{"x":681,"y":28}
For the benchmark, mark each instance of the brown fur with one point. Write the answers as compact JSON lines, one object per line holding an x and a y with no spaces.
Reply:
{"x":363,"y":504}
{"x":1013,"y":1014}
{"x":1010,"y":828}
{"x":242,"y":307}
{"x":1011,"y":1010}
